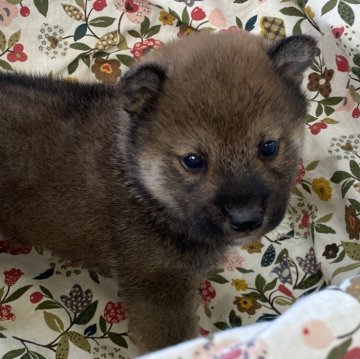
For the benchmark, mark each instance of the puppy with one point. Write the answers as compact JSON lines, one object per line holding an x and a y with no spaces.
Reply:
{"x":153,"y":179}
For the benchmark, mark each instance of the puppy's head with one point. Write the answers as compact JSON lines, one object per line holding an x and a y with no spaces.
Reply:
{"x":213,"y":131}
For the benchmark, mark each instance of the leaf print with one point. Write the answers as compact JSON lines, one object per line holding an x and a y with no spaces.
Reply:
{"x":102,"y":21}
{"x":2,"y":41}
{"x":269,"y":256}
{"x":79,"y":340}
{"x":118,"y":339}
{"x":14,"y":38}
{"x":42,"y":6}
{"x":352,"y":250}
{"x":62,"y":349}
{"x":111,"y":39}
{"x":80,"y":46}
{"x":346,"y":12}
{"x":355,"y":169}
{"x":292,"y":11}
{"x":73,"y":12}
{"x":250,"y":24}
{"x":53,"y":322}
{"x":310,"y":281}
{"x":48,"y":304}
{"x":339,"y":176}
{"x":87,"y":314}
{"x":90,"y":330}
{"x":260,"y":283}
{"x":328,"y":6}
{"x":45,"y":275}
{"x":14,"y":353}
{"x":81,"y":3}
{"x":340,"y":350}
{"x":17,"y":294}
{"x":80,"y":32}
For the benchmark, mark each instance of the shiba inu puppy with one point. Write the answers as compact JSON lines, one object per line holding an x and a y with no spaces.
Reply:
{"x":152,"y":179}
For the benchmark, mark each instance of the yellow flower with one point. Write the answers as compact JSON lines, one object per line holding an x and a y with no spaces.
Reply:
{"x":322,"y":188}
{"x":247,"y":304}
{"x":309,"y":11}
{"x":166,"y":18}
{"x":254,"y":247}
{"x":239,"y":284}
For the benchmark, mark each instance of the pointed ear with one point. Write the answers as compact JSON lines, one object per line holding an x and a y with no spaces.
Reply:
{"x":293,"y":55}
{"x":141,"y":86}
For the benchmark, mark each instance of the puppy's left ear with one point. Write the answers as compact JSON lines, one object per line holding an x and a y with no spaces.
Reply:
{"x":140,"y":87}
{"x":293,"y":55}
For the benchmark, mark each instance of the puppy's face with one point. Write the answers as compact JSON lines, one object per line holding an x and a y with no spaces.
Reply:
{"x":217,"y":142}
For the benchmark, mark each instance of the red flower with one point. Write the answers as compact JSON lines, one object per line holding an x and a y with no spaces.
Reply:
{"x":36,"y":297}
{"x":342,"y":63}
{"x":284,"y":290}
{"x":338,"y":31}
{"x":143,"y":46}
{"x":305,"y":220}
{"x":352,"y":354}
{"x":13,"y":248}
{"x":114,"y":312}
{"x":198,"y":14}
{"x":203,"y":332}
{"x":12,"y":276}
{"x":207,"y":292}
{"x":356,"y":112}
{"x":17,"y":54}
{"x":130,"y":7}
{"x":99,"y":5}
{"x":317,"y":127}
{"x":5,"y":312}
{"x":300,"y":173}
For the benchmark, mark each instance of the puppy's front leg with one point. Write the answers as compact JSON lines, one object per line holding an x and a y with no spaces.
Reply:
{"x":162,"y":311}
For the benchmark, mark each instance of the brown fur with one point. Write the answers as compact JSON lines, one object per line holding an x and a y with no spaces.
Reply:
{"x":94,"y":172}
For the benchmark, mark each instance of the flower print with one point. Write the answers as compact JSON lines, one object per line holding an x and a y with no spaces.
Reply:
{"x":356,"y":112}
{"x":8,"y":13}
{"x":17,"y":53}
{"x":99,"y":5}
{"x":135,"y":10}
{"x":5,"y":313}
{"x":13,"y":248}
{"x":77,"y":300}
{"x":353,"y":353}
{"x":300,"y":173}
{"x":12,"y":276}
{"x":285,"y":291}
{"x":331,"y":250}
{"x":316,"y":334}
{"x":342,"y":63}
{"x":217,"y":18}
{"x":166,"y":18}
{"x":51,"y":42}
{"x":352,"y":222}
{"x":309,"y":12}
{"x":254,"y":247}
{"x":107,"y":71}
{"x":185,"y":30}
{"x":321,"y":82}
{"x":247,"y":304}
{"x":142,"y":47}
{"x":36,"y":297}
{"x":283,"y":271}
{"x":232,"y":260}
{"x":239,"y":284}
{"x":308,"y":264}
{"x":114,"y":312}
{"x":207,"y":292}
{"x":354,"y":288}
{"x":322,"y":188}
{"x":337,"y":31}
{"x":198,"y":14}
{"x":317,"y":127}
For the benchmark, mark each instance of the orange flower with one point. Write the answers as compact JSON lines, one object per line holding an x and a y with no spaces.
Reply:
{"x":106,"y":70}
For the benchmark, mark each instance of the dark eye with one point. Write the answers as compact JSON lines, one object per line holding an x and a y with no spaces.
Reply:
{"x":192,"y":162}
{"x":268,"y":149}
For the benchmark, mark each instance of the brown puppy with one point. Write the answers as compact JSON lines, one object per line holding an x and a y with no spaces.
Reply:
{"x":154,"y":178}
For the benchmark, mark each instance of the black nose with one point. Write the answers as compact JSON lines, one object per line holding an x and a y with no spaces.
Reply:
{"x":243,"y":219}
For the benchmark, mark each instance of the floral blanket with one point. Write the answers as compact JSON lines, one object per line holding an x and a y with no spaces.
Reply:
{"x":51,"y":309}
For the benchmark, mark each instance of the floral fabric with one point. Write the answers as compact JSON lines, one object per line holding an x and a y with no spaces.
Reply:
{"x":51,"y":309}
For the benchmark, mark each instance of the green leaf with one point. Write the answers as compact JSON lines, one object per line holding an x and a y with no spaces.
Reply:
{"x":221,"y":325}
{"x":81,"y":3}
{"x":352,"y":250}
{"x":86,"y":60}
{"x":1,"y":292}
{"x":271,"y":285}
{"x":260,"y":283}
{"x":310,"y":118}
{"x":339,"y":176}
{"x":207,"y":311}
{"x":356,"y":60}
{"x":73,"y":66}
{"x":347,"y":268}
{"x":79,"y":340}
{"x":356,"y":72}
{"x":185,"y":16}
{"x":2,"y":336}
{"x":239,"y":1}
{"x":256,"y":296}
{"x":80,"y":46}
{"x":328,"y":111}
{"x":292,"y":11}
{"x":87,"y":314}
{"x":346,"y":13}
{"x":297,"y":27}
{"x":2,"y":41}
{"x":102,"y":324}
{"x":329,"y":120}
{"x":243,"y":270}
{"x":46,"y":292}
{"x":234,"y":320}
{"x":346,"y":186}
{"x":42,"y":6}
{"x":153,"y":31}
{"x":283,"y":301}
{"x":62,"y":349}
{"x":126,"y":60}
{"x":331,"y":101}
{"x":355,"y":169}
{"x":325,"y":218}
{"x":48,"y":304}
{"x":217,"y":278}
{"x":118,"y":339}
{"x":80,"y":32}
{"x":328,"y":6}
{"x":294,"y":190}
{"x":35,"y":355}
{"x":95,"y":56}
{"x":145,"y":26}
{"x":339,"y":258}
{"x":14,"y":2}
{"x":323,"y":228}
{"x":17,"y":294}
{"x":240,"y":25}
{"x":14,"y":38}
{"x":102,"y":21}
{"x":53,"y":322}
{"x":122,"y":44}
{"x":250,"y":24}
{"x":94,"y":276}
{"x":319,"y":110}
{"x":310,"y":281}
{"x":173,"y":13}
{"x":354,"y":202}
{"x":134,"y":33}
{"x":356,"y":2}
{"x":306,"y":187}
{"x":339,"y":351}
{"x":281,"y":255}
{"x":14,"y":353}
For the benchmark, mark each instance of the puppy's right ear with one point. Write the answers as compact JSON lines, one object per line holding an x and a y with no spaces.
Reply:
{"x":140,"y":87}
